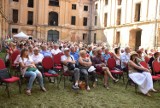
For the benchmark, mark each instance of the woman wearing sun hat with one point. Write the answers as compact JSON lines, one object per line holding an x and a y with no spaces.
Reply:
{"x":143,"y":79}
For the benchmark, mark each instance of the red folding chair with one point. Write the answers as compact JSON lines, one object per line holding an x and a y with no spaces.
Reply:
{"x":7,"y":78}
{"x":156,"y":68}
{"x":111,"y":54}
{"x":145,"y":65}
{"x":131,"y":81}
{"x":47,"y":64}
{"x":146,"y":59}
{"x":112,"y":67}
{"x":57,"y":61}
{"x":65,"y":75}
{"x":13,"y":57}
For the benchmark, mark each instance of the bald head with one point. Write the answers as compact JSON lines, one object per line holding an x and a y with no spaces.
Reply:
{"x":127,"y":49}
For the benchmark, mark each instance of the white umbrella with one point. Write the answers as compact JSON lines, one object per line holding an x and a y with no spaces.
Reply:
{"x":21,"y":35}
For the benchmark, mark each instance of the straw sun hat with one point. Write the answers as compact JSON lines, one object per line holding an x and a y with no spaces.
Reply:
{"x":133,"y":53}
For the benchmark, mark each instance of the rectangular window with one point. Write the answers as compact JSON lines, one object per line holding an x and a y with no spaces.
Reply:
{"x":137,"y":12}
{"x":118,"y":16}
{"x":95,"y":21}
{"x":31,"y":3}
{"x":30,"y":18}
{"x":16,"y":0}
{"x":85,"y":21}
{"x":73,"y":6}
{"x":117,"y":38}
{"x":73,"y":20}
{"x":14,"y":30}
{"x":53,"y":2}
{"x":119,"y":2}
{"x":105,"y":19}
{"x":158,"y":40}
{"x":85,"y":8}
{"x":84,"y":36}
{"x":15,"y":15}
{"x":95,"y":37}
{"x":106,"y":2}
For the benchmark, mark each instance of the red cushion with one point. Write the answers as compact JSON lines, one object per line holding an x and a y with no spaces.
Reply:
{"x":116,"y":72}
{"x":11,"y":80}
{"x":158,"y":75}
{"x":46,"y":74}
{"x":155,"y":77}
{"x":58,"y":67}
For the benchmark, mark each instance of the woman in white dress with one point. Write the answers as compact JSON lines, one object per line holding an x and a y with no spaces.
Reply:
{"x":143,"y":79}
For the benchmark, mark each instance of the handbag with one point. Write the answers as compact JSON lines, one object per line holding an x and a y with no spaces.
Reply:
{"x":31,"y":69}
{"x":4,"y":74}
{"x":70,"y":66}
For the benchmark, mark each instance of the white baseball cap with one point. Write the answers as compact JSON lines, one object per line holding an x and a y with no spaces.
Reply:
{"x":66,"y":49}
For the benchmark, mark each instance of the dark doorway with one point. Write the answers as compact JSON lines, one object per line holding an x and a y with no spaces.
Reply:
{"x":138,"y":39}
{"x":135,"y":39}
{"x":53,"y":35}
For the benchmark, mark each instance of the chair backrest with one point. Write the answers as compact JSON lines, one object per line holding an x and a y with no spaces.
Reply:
{"x":111,"y":63}
{"x":156,"y":66}
{"x":144,"y":64}
{"x":146,"y":59}
{"x":111,"y":54}
{"x":14,"y":56}
{"x":2,"y":64}
{"x":57,"y":58}
{"x":47,"y":62}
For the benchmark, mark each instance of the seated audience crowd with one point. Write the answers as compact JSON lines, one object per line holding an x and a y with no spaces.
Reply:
{"x":83,"y":62}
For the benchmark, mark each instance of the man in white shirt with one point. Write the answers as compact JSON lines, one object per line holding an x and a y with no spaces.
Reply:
{"x":55,"y":49}
{"x":66,"y":59}
{"x":37,"y":58}
{"x":125,"y":57}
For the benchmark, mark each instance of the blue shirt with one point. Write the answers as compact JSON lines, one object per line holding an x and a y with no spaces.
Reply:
{"x":75,"y":55}
{"x":46,"y":53}
{"x":106,"y":57}
{"x":90,"y":53}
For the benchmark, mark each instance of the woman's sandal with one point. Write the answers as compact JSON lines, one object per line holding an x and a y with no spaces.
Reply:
{"x":43,"y":89}
{"x":155,"y":91}
{"x":116,"y":80}
{"x":105,"y":86}
{"x":148,"y":95}
{"x":94,"y":85}
{"x":28,"y":92}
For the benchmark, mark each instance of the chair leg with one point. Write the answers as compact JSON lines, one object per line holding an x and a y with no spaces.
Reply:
{"x":57,"y":82}
{"x":136,"y":86}
{"x":64,"y":82}
{"x":127,"y":84}
{"x":7,"y":89}
{"x":19,"y":84}
{"x":123,"y":79}
{"x":60,"y":79}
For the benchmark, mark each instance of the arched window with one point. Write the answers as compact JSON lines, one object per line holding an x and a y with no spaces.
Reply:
{"x":53,"y":2}
{"x":53,"y":19}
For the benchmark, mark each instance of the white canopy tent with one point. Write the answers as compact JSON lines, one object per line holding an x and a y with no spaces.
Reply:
{"x":21,"y":35}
